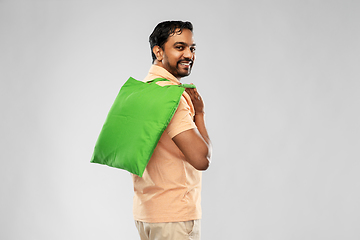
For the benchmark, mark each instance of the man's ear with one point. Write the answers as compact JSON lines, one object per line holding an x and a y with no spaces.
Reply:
{"x":158,"y":51}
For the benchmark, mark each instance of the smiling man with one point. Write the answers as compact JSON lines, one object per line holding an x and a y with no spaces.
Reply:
{"x":167,"y":196}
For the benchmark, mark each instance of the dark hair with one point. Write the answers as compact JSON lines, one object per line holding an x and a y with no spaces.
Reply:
{"x":164,"y":30}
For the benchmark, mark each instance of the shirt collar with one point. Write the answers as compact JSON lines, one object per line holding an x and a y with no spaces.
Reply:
{"x":163,"y":73}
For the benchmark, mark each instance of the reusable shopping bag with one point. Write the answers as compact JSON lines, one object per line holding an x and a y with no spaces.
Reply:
{"x":135,"y":123}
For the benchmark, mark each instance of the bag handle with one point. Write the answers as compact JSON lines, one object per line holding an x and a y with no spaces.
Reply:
{"x":157,"y":80}
{"x":184,"y":85}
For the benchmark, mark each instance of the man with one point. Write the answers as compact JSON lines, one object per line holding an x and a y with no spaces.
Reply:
{"x":167,"y":197}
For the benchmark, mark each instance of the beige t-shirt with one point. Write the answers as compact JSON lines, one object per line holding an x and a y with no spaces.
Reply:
{"x":170,"y":188}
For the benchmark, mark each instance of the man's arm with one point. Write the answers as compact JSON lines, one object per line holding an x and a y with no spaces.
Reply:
{"x":195,"y":143}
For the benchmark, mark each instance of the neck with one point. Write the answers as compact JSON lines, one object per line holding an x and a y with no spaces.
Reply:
{"x":160,"y":64}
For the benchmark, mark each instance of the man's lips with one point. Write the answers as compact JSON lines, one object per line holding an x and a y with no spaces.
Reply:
{"x":186,"y":63}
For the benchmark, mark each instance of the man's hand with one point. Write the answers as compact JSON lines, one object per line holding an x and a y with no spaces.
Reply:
{"x":196,"y":100}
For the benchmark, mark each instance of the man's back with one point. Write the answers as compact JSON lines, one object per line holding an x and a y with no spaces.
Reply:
{"x":169,"y":190}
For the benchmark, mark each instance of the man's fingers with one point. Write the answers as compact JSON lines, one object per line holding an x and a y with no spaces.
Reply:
{"x":193,"y":93}
{"x":190,"y":91}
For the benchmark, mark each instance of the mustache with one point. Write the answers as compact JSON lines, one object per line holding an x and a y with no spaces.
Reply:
{"x":186,"y":60}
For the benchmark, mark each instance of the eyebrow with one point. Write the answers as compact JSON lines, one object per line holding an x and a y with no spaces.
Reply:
{"x":184,"y":43}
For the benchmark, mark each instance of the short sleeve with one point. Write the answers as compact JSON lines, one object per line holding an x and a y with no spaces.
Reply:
{"x":182,"y":119}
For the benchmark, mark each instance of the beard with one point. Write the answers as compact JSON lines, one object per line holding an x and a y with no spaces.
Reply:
{"x":181,"y":70}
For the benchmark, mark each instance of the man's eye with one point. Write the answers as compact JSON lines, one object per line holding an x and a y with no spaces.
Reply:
{"x":179,"y":47}
{"x":192,"y":49}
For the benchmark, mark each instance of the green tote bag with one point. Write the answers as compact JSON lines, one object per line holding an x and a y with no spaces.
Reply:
{"x":135,"y":123}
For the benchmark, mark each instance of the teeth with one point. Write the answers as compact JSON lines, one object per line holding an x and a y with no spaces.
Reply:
{"x":186,"y":64}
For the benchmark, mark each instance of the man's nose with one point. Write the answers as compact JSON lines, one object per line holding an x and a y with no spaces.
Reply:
{"x":188,"y":54}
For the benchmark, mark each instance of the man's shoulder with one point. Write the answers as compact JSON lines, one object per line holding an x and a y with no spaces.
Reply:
{"x":165,"y":82}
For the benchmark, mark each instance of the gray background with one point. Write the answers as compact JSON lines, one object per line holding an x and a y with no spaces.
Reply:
{"x":281,"y":85}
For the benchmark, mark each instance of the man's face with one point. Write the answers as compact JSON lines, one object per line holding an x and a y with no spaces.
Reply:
{"x":179,"y":53}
